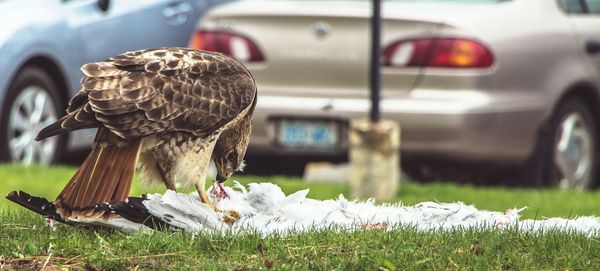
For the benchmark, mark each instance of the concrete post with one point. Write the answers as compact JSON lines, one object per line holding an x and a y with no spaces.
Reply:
{"x":374,"y":158}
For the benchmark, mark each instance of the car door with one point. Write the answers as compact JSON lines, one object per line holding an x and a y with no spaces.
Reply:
{"x":109,"y":27}
{"x":585,"y":17}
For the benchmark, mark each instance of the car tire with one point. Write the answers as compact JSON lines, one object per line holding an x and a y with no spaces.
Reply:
{"x":31,"y":103}
{"x":566,"y":153}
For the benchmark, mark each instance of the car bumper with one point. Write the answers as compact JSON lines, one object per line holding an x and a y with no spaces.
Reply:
{"x":462,"y":125}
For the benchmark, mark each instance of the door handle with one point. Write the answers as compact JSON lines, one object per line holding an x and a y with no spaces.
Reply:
{"x":592,"y":47}
{"x":177,"y":12}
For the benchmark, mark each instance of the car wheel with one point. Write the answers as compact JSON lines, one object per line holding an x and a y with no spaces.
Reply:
{"x":571,"y":147}
{"x":31,"y":103}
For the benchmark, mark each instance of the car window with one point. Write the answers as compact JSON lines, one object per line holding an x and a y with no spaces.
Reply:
{"x":581,"y":6}
{"x":593,"y":6}
{"x":573,"y":6}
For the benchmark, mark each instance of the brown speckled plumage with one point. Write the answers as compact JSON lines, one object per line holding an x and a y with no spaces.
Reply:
{"x":162,"y":90}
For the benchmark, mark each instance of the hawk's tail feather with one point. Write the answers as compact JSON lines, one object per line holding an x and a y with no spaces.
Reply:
{"x":35,"y":204}
{"x":105,"y":176}
{"x":132,"y":210}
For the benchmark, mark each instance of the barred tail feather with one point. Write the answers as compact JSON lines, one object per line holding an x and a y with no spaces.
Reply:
{"x":36,"y":204}
{"x":105,"y":175}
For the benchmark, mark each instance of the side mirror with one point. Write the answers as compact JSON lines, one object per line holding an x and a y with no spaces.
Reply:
{"x":103,"y":5}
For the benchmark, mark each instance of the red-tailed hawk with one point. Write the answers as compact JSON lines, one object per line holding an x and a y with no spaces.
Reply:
{"x":161,"y":111}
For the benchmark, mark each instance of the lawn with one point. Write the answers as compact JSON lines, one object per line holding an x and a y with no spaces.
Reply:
{"x":25,"y":241}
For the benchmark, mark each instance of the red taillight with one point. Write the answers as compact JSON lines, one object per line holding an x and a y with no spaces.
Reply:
{"x":238,"y":46}
{"x":438,"y":52}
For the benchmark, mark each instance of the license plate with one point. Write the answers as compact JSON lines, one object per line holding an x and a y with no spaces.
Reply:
{"x":308,"y":135}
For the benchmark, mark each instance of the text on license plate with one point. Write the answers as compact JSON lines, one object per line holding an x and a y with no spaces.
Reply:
{"x":307,"y":134}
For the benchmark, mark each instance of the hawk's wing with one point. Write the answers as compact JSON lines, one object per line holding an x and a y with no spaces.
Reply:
{"x":150,"y":91}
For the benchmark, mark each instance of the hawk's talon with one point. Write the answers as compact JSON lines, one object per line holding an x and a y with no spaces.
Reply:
{"x":231,"y":216}
{"x":234,"y":214}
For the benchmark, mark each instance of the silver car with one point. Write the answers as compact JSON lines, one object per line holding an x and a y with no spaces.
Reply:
{"x":44,"y":42}
{"x":481,"y":88}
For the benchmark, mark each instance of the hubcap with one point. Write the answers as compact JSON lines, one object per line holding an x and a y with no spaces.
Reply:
{"x":32,"y":110}
{"x":573,"y":156}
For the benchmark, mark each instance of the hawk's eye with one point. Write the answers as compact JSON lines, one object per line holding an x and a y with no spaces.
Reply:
{"x":231,"y":157}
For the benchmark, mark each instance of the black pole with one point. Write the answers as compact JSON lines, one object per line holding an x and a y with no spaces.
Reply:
{"x":374,"y":76}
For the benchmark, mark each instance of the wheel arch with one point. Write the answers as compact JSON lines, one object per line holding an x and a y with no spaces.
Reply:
{"x":50,"y":66}
{"x":589,"y":94}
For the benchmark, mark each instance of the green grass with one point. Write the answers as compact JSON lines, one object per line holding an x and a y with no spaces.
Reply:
{"x":24,"y":239}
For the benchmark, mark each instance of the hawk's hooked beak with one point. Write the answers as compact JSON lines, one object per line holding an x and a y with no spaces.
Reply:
{"x":222,"y":178}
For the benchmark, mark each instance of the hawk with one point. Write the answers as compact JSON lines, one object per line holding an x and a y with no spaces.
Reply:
{"x":164,"y":112}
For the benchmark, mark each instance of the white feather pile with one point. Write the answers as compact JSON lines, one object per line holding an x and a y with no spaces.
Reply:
{"x":264,"y":208}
